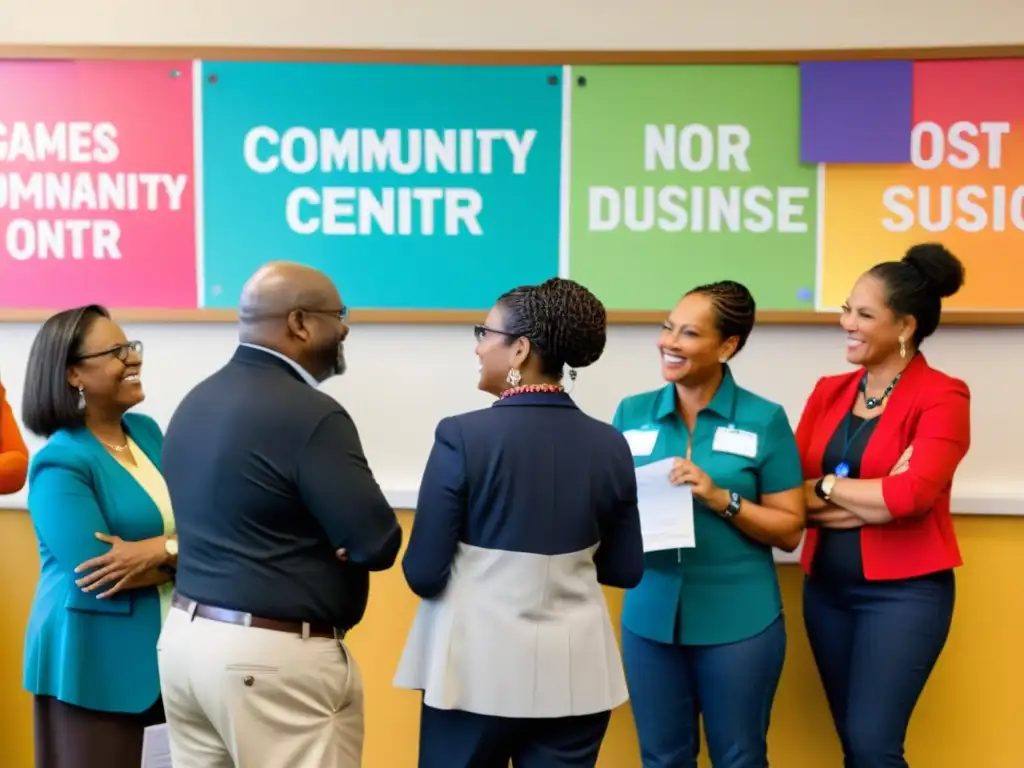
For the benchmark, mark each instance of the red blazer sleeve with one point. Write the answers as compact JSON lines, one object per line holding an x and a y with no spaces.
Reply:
{"x":806,"y":427}
{"x":13,"y":452}
{"x":940,"y":441}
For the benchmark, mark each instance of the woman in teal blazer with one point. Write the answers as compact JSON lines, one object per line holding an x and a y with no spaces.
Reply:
{"x":102,"y":518}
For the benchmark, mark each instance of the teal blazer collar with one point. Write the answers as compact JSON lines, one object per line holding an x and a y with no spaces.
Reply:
{"x":138,"y":428}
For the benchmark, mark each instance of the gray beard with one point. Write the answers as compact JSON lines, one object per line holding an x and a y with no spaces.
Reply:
{"x":340,"y":365}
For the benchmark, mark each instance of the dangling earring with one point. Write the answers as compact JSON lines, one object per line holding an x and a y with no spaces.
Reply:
{"x":572,"y":380}
{"x":903,"y":348}
{"x":514,"y":377}
{"x":81,"y":398}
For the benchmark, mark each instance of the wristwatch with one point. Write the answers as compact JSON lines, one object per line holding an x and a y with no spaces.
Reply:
{"x":733,"y":507}
{"x":823,"y":488}
{"x":171,"y":548}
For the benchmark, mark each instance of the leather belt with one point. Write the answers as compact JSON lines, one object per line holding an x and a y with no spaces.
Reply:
{"x":241,"y":618}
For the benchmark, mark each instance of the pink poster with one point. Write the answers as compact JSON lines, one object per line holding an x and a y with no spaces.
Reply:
{"x":97,"y":185}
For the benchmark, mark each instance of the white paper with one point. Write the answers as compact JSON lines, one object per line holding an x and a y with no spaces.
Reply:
{"x":666,"y":510}
{"x":156,"y":747}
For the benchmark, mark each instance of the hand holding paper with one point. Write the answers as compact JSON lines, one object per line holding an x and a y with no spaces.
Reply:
{"x":685,"y":471}
{"x":666,"y":510}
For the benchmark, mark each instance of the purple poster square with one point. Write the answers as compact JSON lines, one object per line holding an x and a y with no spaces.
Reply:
{"x":856,"y":111}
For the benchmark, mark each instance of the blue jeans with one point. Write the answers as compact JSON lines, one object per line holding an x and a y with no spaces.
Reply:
{"x":732,"y":686}
{"x":875,"y":644}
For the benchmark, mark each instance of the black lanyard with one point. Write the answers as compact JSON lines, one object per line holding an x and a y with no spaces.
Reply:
{"x":842,"y":468}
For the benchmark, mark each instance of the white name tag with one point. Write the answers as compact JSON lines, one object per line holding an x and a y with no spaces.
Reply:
{"x":735,"y":441}
{"x":641,"y":441}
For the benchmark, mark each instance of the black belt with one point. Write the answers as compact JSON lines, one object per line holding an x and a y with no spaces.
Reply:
{"x":241,"y":618}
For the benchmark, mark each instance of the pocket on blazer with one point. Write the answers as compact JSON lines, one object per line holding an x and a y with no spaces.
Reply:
{"x":87,"y":602}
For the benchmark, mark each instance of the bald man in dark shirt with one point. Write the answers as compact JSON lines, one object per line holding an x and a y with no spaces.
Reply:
{"x":280,"y":522}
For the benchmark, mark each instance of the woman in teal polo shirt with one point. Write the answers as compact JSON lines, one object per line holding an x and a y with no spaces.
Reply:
{"x":703,"y":634}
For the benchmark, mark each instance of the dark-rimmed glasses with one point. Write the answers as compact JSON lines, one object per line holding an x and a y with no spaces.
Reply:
{"x":122,"y":352}
{"x":340,"y":314}
{"x":480,"y":331}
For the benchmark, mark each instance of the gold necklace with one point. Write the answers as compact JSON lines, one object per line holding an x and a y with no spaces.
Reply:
{"x":115,"y":448}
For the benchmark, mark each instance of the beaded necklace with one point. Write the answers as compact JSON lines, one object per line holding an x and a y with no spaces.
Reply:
{"x":532,"y":389}
{"x":874,"y":402}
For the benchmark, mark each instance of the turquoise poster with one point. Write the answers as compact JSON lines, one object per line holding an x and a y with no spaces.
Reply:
{"x":413,"y":187}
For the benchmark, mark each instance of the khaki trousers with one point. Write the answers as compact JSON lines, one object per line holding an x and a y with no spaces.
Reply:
{"x":239,"y":697}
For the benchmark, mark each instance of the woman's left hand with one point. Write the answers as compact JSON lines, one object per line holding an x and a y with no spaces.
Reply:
{"x":686,"y":472}
{"x":903,"y":464}
{"x":124,"y":561}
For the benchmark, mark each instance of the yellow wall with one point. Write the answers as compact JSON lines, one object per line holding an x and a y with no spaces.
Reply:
{"x":970,"y":714}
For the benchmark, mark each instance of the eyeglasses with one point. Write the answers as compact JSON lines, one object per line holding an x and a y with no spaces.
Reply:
{"x":122,"y":352}
{"x":341,"y":314}
{"x":480,"y":331}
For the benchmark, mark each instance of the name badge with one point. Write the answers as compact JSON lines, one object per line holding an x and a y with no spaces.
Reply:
{"x":641,"y":441}
{"x":738,"y":442}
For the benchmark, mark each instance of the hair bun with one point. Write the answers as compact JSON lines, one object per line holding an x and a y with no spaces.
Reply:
{"x":941,"y":270}
{"x":579,"y":321}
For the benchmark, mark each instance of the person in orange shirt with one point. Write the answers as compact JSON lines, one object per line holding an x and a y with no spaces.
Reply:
{"x":13,"y":452}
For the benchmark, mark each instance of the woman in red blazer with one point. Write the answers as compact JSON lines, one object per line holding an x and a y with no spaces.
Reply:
{"x":879,"y":448}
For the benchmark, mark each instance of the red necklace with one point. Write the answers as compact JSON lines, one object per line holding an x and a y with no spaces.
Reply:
{"x":531,"y":389}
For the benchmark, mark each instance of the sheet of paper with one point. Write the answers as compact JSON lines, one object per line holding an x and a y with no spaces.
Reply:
{"x":156,"y":747}
{"x":666,"y":510}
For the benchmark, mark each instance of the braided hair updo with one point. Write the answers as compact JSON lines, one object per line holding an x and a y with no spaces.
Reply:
{"x":734,"y":309}
{"x":565,"y":323}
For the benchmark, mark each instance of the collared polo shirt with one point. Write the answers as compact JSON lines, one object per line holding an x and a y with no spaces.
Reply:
{"x":724,"y":589}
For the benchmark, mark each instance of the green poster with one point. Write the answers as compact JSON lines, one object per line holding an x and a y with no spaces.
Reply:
{"x":682,"y":175}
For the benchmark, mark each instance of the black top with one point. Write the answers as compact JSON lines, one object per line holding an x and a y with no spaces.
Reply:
{"x":268,"y":479}
{"x":838,"y":555}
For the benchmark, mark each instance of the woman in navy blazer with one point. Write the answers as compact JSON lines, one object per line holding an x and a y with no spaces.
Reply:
{"x":102,"y":517}
{"x":525,"y":510}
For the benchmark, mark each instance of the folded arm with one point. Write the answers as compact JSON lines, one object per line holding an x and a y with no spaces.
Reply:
{"x":777,"y":520}
{"x":820,"y":514}
{"x":338,"y":488}
{"x":778,"y":517}
{"x":67,"y":517}
{"x":941,"y":440}
{"x":439,"y":515}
